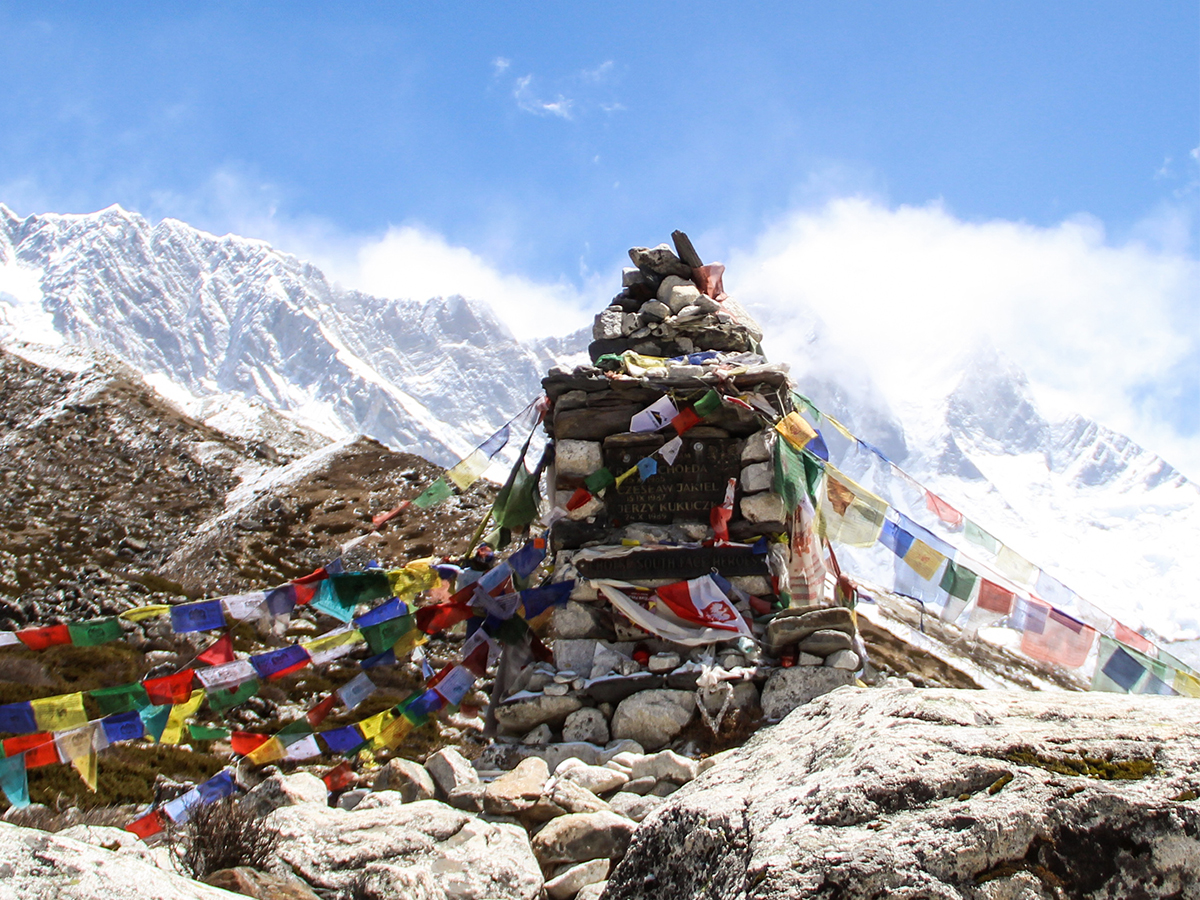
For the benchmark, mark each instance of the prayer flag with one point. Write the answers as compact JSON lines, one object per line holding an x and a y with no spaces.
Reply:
{"x":454,"y":686}
{"x":1015,"y":567}
{"x":467,"y":471}
{"x":219,"y":700}
{"x":434,"y":494}
{"x":708,"y":404}
{"x":148,"y":825}
{"x":392,"y":734}
{"x":204,"y":616}
{"x":655,"y":416}
{"x":333,"y":645}
{"x":385,"y":634}
{"x":9,"y":639}
{"x":795,"y":430}
{"x":154,"y":718}
{"x":126,"y":726}
{"x":17,"y":718}
{"x":39,"y":749}
{"x":180,"y":713}
{"x":245,"y":742}
{"x":59,"y":713}
{"x":670,"y":450}
{"x":994,"y":598}
{"x":121,"y":698}
{"x":77,"y":748}
{"x":281,"y":600}
{"x":406,"y":583}
{"x":817,"y":447}
{"x":806,"y":568}
{"x":849,"y":513}
{"x":14,"y":780}
{"x":496,"y":442}
{"x":179,"y":810}
{"x":216,"y":788}
{"x":578,"y":499}
{"x":895,"y":538}
{"x":599,"y":480}
{"x":980,"y":538}
{"x":207,"y":732}
{"x":305,"y":748}
{"x":538,"y":600}
{"x":95,"y":632}
{"x":440,"y":616}
{"x":684,"y":421}
{"x":343,"y":740}
{"x":383,"y":659}
{"x":430,"y":703}
{"x":1187,"y":684}
{"x":943,"y":510}
{"x":1119,"y":669}
{"x":142,"y":613}
{"x":226,"y":675}
{"x":242,"y":607}
{"x":340,"y":776}
{"x":393,"y":609}
{"x":356,"y":690}
{"x":219,"y":652}
{"x":1053,"y":636}
{"x":958,"y":581}
{"x":923,"y":559}
{"x":278,"y":663}
{"x":169,"y":689}
{"x":328,"y":602}
{"x":702,"y":602}
{"x":1131,"y":638}
{"x":370,"y":727}
{"x":362,"y":587}
{"x":516,"y":504}
{"x":647,"y":467}
{"x":528,"y":558}
{"x":41,"y":638}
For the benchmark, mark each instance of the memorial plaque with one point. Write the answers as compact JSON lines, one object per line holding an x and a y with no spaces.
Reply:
{"x":685,"y":491}
{"x":678,"y":565}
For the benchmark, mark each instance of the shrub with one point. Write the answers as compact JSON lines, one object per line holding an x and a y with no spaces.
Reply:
{"x":219,"y":836}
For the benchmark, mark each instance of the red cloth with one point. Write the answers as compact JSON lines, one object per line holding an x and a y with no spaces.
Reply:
{"x":317,"y":714}
{"x":169,"y":689}
{"x":1131,"y":638}
{"x":148,"y":825}
{"x":943,"y":510}
{"x":308,"y":585}
{"x":579,"y":498}
{"x":39,"y":749}
{"x":440,"y":616}
{"x":685,"y":420}
{"x":476,"y":661}
{"x":41,"y":638}
{"x":218,"y":652}
{"x":340,"y":776}
{"x":379,"y":519}
{"x":246,"y":742}
{"x":994,"y":598}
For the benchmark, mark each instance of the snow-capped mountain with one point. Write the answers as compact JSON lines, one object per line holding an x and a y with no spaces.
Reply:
{"x":227,"y":317}
{"x":236,"y":329}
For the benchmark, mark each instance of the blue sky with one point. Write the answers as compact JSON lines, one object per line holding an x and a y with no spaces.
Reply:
{"x":535,"y":142}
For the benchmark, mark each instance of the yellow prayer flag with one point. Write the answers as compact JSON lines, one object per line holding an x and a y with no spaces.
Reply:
{"x":848,"y":512}
{"x":406,"y":583}
{"x":268,"y":751}
{"x":795,"y":430}
{"x":624,"y":475}
{"x":391,"y":736}
{"x":371,"y":727}
{"x":59,"y":713}
{"x":408,"y":642}
{"x":1015,"y":566}
{"x":845,"y":432}
{"x":923,"y":559}
{"x":466,"y":472}
{"x":1186,"y":684}
{"x":79,"y":749}
{"x":180,"y":713}
{"x":145,"y":612}
{"x":332,"y":641}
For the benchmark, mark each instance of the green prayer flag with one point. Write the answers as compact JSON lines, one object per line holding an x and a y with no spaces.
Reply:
{"x":434,"y":494}
{"x":207,"y":733}
{"x":707,"y":404}
{"x":790,"y":474}
{"x":155,"y":720}
{"x":812,"y":474}
{"x":14,"y":780}
{"x":354,"y":588}
{"x":516,"y":504}
{"x":123,"y":698}
{"x":223,"y":698}
{"x":384,"y":635}
{"x":328,"y":602}
{"x":599,"y":480}
{"x":958,"y":581}
{"x":979,"y":537}
{"x":511,"y":631}
{"x":97,"y":631}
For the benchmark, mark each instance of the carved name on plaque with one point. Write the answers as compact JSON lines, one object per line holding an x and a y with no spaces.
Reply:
{"x":675,"y":564}
{"x":687,"y":490}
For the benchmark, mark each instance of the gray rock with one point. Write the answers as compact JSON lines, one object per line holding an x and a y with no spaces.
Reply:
{"x":758,"y":477}
{"x":653,"y":718}
{"x":661,"y":663}
{"x":666,"y":765}
{"x":279,"y":790}
{"x":654,"y":311}
{"x":764,"y":507}
{"x":660,"y":260}
{"x":678,"y":296}
{"x":581,"y":620}
{"x":522,"y":714}
{"x":575,"y":655}
{"x":586,"y":725}
{"x":571,"y":400}
{"x":467,"y":796}
{"x":793,"y":625}
{"x":616,"y":689}
{"x":640,"y":786}
{"x":826,"y":641}
{"x":570,"y":882}
{"x":449,"y":769}
{"x":582,"y":836}
{"x":844,"y":659}
{"x":572,"y":797}
{"x":597,"y":779}
{"x":787,"y":689}
{"x":633,"y":806}
{"x":36,"y":864}
{"x":663,"y":789}
{"x":937,"y":794}
{"x":759,"y":446}
{"x":608,"y":324}
{"x":592,"y":891}
{"x":407,"y":778}
{"x":350,"y":799}
{"x":540,"y":736}
{"x":578,"y":458}
{"x":807,"y":659}
{"x":464,"y":856}
{"x":517,"y":791}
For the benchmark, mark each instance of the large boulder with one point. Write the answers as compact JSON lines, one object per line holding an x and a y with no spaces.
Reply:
{"x":278,"y":790}
{"x":37,"y":865}
{"x":962,"y":795}
{"x":450,"y":769}
{"x":582,"y":836}
{"x":787,"y":689}
{"x":409,"y":779}
{"x":653,"y":718}
{"x":413,"y":850}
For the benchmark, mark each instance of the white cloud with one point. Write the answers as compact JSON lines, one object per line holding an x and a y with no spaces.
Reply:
{"x":415,"y":263}
{"x":598,"y":74}
{"x":1107,"y":329}
{"x":500,"y":66}
{"x":528,"y":101}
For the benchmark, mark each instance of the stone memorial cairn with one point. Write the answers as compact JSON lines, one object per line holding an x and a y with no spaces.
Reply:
{"x":614,"y":687}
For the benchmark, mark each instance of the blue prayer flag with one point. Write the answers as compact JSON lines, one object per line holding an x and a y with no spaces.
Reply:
{"x":206,"y":615}
{"x":426,"y":704}
{"x":1123,"y":669}
{"x":387,"y":658}
{"x":816,"y":446}
{"x":538,"y":600}
{"x":342,"y":740}
{"x":126,"y":726}
{"x":217,"y":787}
{"x":495,"y":443}
{"x":14,"y":780}
{"x":525,"y":560}
{"x":329,"y":602}
{"x":278,"y":663}
{"x":17,"y":718}
{"x":282,"y":600}
{"x":895,"y":538}
{"x":647,"y":466}
{"x":384,"y":612}
{"x":335,"y":567}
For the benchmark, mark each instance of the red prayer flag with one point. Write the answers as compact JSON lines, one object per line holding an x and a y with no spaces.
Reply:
{"x":245,"y":742}
{"x":218,"y":652}
{"x":440,"y":616}
{"x":169,"y":689}
{"x":41,"y":638}
{"x":317,"y":714}
{"x":39,"y":749}
{"x":1131,"y":638}
{"x":1062,"y":639}
{"x":340,"y":776}
{"x":685,"y":420}
{"x":476,"y":661}
{"x":943,"y":510}
{"x":308,"y":585}
{"x":579,"y":498}
{"x":379,"y":519}
{"x":148,"y":825}
{"x":994,"y":598}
